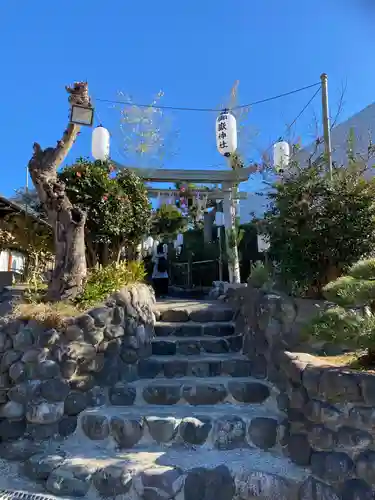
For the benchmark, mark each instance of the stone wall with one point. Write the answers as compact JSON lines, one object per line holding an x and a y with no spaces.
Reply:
{"x":49,"y":375}
{"x":330,"y":411}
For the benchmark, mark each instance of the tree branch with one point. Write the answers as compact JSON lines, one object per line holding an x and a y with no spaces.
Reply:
{"x":64,"y":145}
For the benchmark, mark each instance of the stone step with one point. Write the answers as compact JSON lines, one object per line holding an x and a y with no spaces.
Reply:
{"x":191,"y":391}
{"x":169,"y":473}
{"x":193,"y":329}
{"x":170,"y":345}
{"x":222,"y":427}
{"x":194,"y":310}
{"x":203,"y":365}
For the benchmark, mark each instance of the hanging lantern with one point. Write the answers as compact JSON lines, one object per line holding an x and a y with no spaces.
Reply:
{"x":226,"y":133}
{"x":148,"y":243}
{"x":180,"y":239}
{"x":281,"y":156}
{"x":155,"y":246}
{"x":100,"y":143}
{"x":219,"y":219}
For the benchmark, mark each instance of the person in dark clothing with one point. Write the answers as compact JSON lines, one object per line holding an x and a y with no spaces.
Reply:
{"x":160,"y":276}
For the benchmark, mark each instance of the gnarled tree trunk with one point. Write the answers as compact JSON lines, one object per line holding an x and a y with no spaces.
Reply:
{"x":67,"y":221}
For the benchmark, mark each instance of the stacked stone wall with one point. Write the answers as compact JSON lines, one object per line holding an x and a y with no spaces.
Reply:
{"x":330,"y":410}
{"x":50,"y":375}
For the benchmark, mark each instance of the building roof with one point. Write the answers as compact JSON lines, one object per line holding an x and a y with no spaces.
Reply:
{"x":10,"y":207}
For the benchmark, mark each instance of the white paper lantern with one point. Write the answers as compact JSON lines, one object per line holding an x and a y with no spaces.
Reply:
{"x":281,"y":156}
{"x":226,"y":133}
{"x":100,"y":143}
{"x":148,"y":243}
{"x":180,"y":239}
{"x":219,"y":219}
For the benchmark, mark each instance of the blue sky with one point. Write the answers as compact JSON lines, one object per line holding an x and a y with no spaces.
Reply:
{"x":193,"y":51}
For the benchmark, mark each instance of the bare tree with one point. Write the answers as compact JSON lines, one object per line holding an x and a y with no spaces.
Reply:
{"x":146,"y":133}
{"x":67,"y":220}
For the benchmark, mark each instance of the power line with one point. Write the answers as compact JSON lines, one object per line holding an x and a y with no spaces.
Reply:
{"x":297,"y":117}
{"x":243,"y":106}
{"x":303,"y":109}
{"x":216,"y":110}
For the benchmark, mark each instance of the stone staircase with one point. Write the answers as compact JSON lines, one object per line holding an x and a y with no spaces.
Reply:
{"x":194,"y":425}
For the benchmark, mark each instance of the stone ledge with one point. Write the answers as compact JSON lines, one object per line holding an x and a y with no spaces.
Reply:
{"x":227,"y":475}
{"x":328,"y":382}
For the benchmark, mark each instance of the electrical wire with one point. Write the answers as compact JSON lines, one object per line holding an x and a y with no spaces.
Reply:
{"x":303,"y":110}
{"x":216,"y":110}
{"x":288,"y":128}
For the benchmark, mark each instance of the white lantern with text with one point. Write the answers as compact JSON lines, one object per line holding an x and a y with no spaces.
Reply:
{"x":100,"y":143}
{"x":281,"y":156}
{"x":226,"y":133}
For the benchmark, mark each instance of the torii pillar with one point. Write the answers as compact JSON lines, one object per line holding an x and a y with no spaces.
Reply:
{"x":229,"y":211}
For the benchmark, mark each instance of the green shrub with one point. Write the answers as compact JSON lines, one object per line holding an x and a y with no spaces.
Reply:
{"x":339,"y":326}
{"x":351,"y":328}
{"x":260,"y":275}
{"x":347,"y":291}
{"x":104,"y":281}
{"x":319,"y":226}
{"x":363,"y":269}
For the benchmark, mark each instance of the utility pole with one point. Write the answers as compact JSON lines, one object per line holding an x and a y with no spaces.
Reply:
{"x":326,"y":123}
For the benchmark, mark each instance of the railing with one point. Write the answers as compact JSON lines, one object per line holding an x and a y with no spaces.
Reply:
{"x":196,"y":274}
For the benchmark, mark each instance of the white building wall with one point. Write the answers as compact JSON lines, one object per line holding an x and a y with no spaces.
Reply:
{"x":17,"y":262}
{"x":4,"y":260}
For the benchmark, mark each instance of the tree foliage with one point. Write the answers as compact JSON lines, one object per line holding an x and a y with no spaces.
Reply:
{"x":167,"y":222}
{"x":116,"y":203}
{"x":319,"y":227}
{"x":117,"y":207}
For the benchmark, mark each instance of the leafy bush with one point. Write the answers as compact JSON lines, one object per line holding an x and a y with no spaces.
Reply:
{"x":260,"y":275}
{"x":347,"y":291}
{"x":318,"y":227}
{"x":339,"y":326}
{"x":104,"y":281}
{"x":363,"y":269}
{"x":354,"y":328}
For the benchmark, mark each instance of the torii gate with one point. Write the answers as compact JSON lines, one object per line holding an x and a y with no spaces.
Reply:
{"x":227,"y":179}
